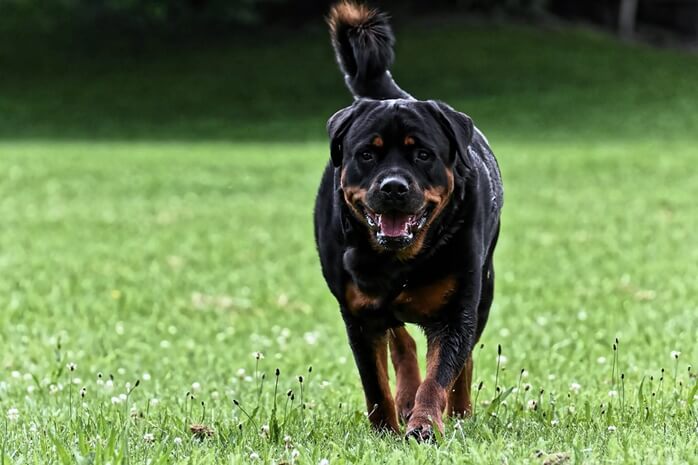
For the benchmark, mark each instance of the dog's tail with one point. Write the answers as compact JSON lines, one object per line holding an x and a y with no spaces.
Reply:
{"x":363,"y":43}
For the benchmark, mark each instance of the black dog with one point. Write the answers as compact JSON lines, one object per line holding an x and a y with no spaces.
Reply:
{"x":406,"y":221}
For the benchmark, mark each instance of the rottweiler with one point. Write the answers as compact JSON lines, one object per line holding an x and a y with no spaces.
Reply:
{"x":406,"y":221}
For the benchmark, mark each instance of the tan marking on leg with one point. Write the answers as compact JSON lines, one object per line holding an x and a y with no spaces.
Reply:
{"x":459,"y":395}
{"x":381,"y":412}
{"x":430,"y":400}
{"x":403,"y":352}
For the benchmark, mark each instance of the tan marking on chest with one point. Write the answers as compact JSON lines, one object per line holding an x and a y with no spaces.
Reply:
{"x":357,"y":301}
{"x":423,"y":302}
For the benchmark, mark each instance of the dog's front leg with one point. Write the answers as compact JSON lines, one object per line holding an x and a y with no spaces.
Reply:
{"x":370,"y":348}
{"x":449,"y":344}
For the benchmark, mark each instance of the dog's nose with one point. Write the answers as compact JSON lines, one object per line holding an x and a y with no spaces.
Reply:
{"x":394,"y":187}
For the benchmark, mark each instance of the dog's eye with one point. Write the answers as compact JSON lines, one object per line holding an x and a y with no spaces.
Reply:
{"x":366,"y":156}
{"x":423,"y":155}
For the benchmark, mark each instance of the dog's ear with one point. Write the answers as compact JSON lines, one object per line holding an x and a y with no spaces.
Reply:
{"x":337,"y":127}
{"x":457,"y":126}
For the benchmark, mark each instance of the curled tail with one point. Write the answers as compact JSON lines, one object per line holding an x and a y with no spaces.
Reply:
{"x":363,"y":43}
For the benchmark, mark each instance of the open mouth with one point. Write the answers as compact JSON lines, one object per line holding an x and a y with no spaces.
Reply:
{"x":395,"y":230}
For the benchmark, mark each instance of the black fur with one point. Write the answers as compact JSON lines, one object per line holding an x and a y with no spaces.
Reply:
{"x":459,"y":236}
{"x":364,"y":49}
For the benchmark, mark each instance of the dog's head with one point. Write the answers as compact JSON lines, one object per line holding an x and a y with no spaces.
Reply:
{"x":396,"y":160}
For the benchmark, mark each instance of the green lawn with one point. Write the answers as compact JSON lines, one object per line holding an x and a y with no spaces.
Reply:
{"x":155,"y":225}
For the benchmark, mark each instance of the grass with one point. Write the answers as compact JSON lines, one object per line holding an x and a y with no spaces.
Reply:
{"x":159,"y":238}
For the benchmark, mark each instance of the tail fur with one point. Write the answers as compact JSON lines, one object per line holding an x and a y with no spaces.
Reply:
{"x":363,"y":42}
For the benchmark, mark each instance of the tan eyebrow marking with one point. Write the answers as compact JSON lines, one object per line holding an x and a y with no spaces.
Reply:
{"x":409,"y":140}
{"x":377,"y":141}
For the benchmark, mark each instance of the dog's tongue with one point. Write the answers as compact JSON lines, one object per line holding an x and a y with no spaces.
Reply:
{"x":394,"y":225}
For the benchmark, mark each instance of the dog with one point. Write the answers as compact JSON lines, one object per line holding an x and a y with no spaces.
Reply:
{"x":407,"y":218}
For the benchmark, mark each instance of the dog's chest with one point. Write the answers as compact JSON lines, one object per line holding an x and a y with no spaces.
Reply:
{"x":412,"y":304}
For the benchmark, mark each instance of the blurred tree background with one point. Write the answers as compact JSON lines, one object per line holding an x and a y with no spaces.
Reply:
{"x":264,"y":69}
{"x":144,"y":17}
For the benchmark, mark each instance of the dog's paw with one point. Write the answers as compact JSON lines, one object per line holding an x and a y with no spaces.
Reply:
{"x":423,"y":429}
{"x":421,"y":433}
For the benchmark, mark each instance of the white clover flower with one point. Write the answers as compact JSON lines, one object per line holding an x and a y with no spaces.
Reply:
{"x":295,"y":453}
{"x":675,"y":354}
{"x":27,"y":377}
{"x":582,"y":315}
{"x":165,"y":344}
{"x":123,"y":397}
{"x":30,"y":389}
{"x":16,"y":374}
{"x":77,"y":381}
{"x":502,"y":359}
{"x":264,"y":430}
{"x":13,"y":414}
{"x":611,"y":429}
{"x":115,"y":400}
{"x":254,"y":456}
{"x":109,"y":385}
{"x":551,"y":377}
{"x":601,"y":360}
{"x":324,"y":384}
{"x":575,"y":387}
{"x":154,"y":402}
{"x":342,"y":360}
{"x":149,"y":437}
{"x":240,"y":373}
{"x":196,"y":387}
{"x":248,"y":378}
{"x":532,"y":404}
{"x":146,"y":376}
{"x":311,"y":338}
{"x":554,"y":422}
{"x":613,"y":393}
{"x":215,"y":395}
{"x":177,"y":441}
{"x":323,"y":462}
